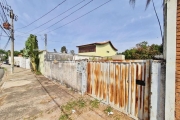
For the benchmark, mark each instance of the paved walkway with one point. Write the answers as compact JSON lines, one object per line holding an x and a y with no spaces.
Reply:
{"x":24,"y":95}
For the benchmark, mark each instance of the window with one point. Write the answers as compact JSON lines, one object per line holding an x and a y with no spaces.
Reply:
{"x":87,"y":49}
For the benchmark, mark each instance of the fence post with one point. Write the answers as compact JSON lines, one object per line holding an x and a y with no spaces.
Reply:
{"x":157,"y":94}
{"x":84,"y":77}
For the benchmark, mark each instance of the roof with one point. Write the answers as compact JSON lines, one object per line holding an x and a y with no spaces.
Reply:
{"x":99,"y":43}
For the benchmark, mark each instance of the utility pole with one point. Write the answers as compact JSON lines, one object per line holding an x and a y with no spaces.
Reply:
{"x":12,"y":40}
{"x":45,"y":40}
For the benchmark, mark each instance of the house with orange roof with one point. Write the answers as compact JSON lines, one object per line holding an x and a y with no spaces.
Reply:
{"x":100,"y":49}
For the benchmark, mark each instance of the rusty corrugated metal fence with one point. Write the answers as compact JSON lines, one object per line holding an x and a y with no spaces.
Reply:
{"x":124,"y":85}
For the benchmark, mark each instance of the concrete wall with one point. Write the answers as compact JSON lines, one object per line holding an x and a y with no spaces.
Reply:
{"x":51,"y":56}
{"x":157,"y":103}
{"x":170,"y":57}
{"x":41,"y":62}
{"x":64,"y":72}
{"x":82,"y":57}
{"x":21,"y":62}
{"x":74,"y":75}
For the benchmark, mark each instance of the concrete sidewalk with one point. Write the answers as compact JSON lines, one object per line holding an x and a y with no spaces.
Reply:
{"x":24,"y":95}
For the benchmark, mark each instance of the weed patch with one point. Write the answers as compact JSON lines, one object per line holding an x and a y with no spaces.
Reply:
{"x":108,"y":109}
{"x":64,"y":117}
{"x":94,"y":103}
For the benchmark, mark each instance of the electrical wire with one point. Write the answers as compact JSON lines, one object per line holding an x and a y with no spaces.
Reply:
{"x":67,"y":16}
{"x":3,"y":36}
{"x":4,"y":13}
{"x":43,"y":15}
{"x":0,"y":38}
{"x":80,"y":16}
{"x":7,"y":43}
{"x":3,"y":16}
{"x":57,"y":16}
{"x":4,"y":30}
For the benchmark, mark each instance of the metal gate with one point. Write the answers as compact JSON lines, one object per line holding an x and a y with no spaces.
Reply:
{"x":123,"y":85}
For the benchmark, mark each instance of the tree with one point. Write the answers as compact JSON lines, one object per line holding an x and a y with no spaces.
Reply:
{"x":31,"y":50}
{"x":3,"y":54}
{"x":143,"y":51}
{"x":72,"y":52}
{"x":132,"y":2}
{"x":21,"y":51}
{"x":63,"y":49}
{"x":16,"y":53}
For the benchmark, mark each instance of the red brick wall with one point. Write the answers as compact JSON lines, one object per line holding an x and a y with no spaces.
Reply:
{"x":177,"y":106}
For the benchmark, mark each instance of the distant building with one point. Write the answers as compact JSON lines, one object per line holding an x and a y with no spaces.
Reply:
{"x":97,"y":49}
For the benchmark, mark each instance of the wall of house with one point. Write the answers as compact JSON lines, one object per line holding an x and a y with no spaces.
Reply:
{"x":101,"y":50}
{"x":88,"y":53}
{"x":88,"y":48}
{"x":177,"y":95}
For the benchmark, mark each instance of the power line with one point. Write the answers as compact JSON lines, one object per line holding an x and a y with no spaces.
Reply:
{"x":4,"y":30}
{"x":5,"y":2}
{"x":3,"y":35}
{"x":67,"y":16}
{"x":0,"y":38}
{"x":80,"y":16}
{"x":27,"y":35}
{"x":7,"y":43}
{"x":43,"y":15}
{"x":4,"y":13}
{"x":57,"y":16}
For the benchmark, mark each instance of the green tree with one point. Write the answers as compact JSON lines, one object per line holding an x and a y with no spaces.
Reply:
{"x":31,"y":50}
{"x":63,"y":49}
{"x":16,"y":53}
{"x":3,"y":54}
{"x":143,"y":51}
{"x":21,"y":51}
{"x":132,"y":2}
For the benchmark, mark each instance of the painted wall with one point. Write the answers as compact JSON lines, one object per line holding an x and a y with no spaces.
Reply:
{"x":65,"y":73}
{"x":101,"y":50}
{"x":170,"y":56}
{"x":88,"y":53}
{"x":79,"y":57}
{"x":41,"y":62}
{"x":21,"y":62}
{"x":177,"y":90}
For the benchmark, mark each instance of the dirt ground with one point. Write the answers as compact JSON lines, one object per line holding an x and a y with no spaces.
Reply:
{"x":25,"y":96}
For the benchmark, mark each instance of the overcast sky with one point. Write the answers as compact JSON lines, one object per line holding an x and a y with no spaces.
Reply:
{"x":116,"y":21}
